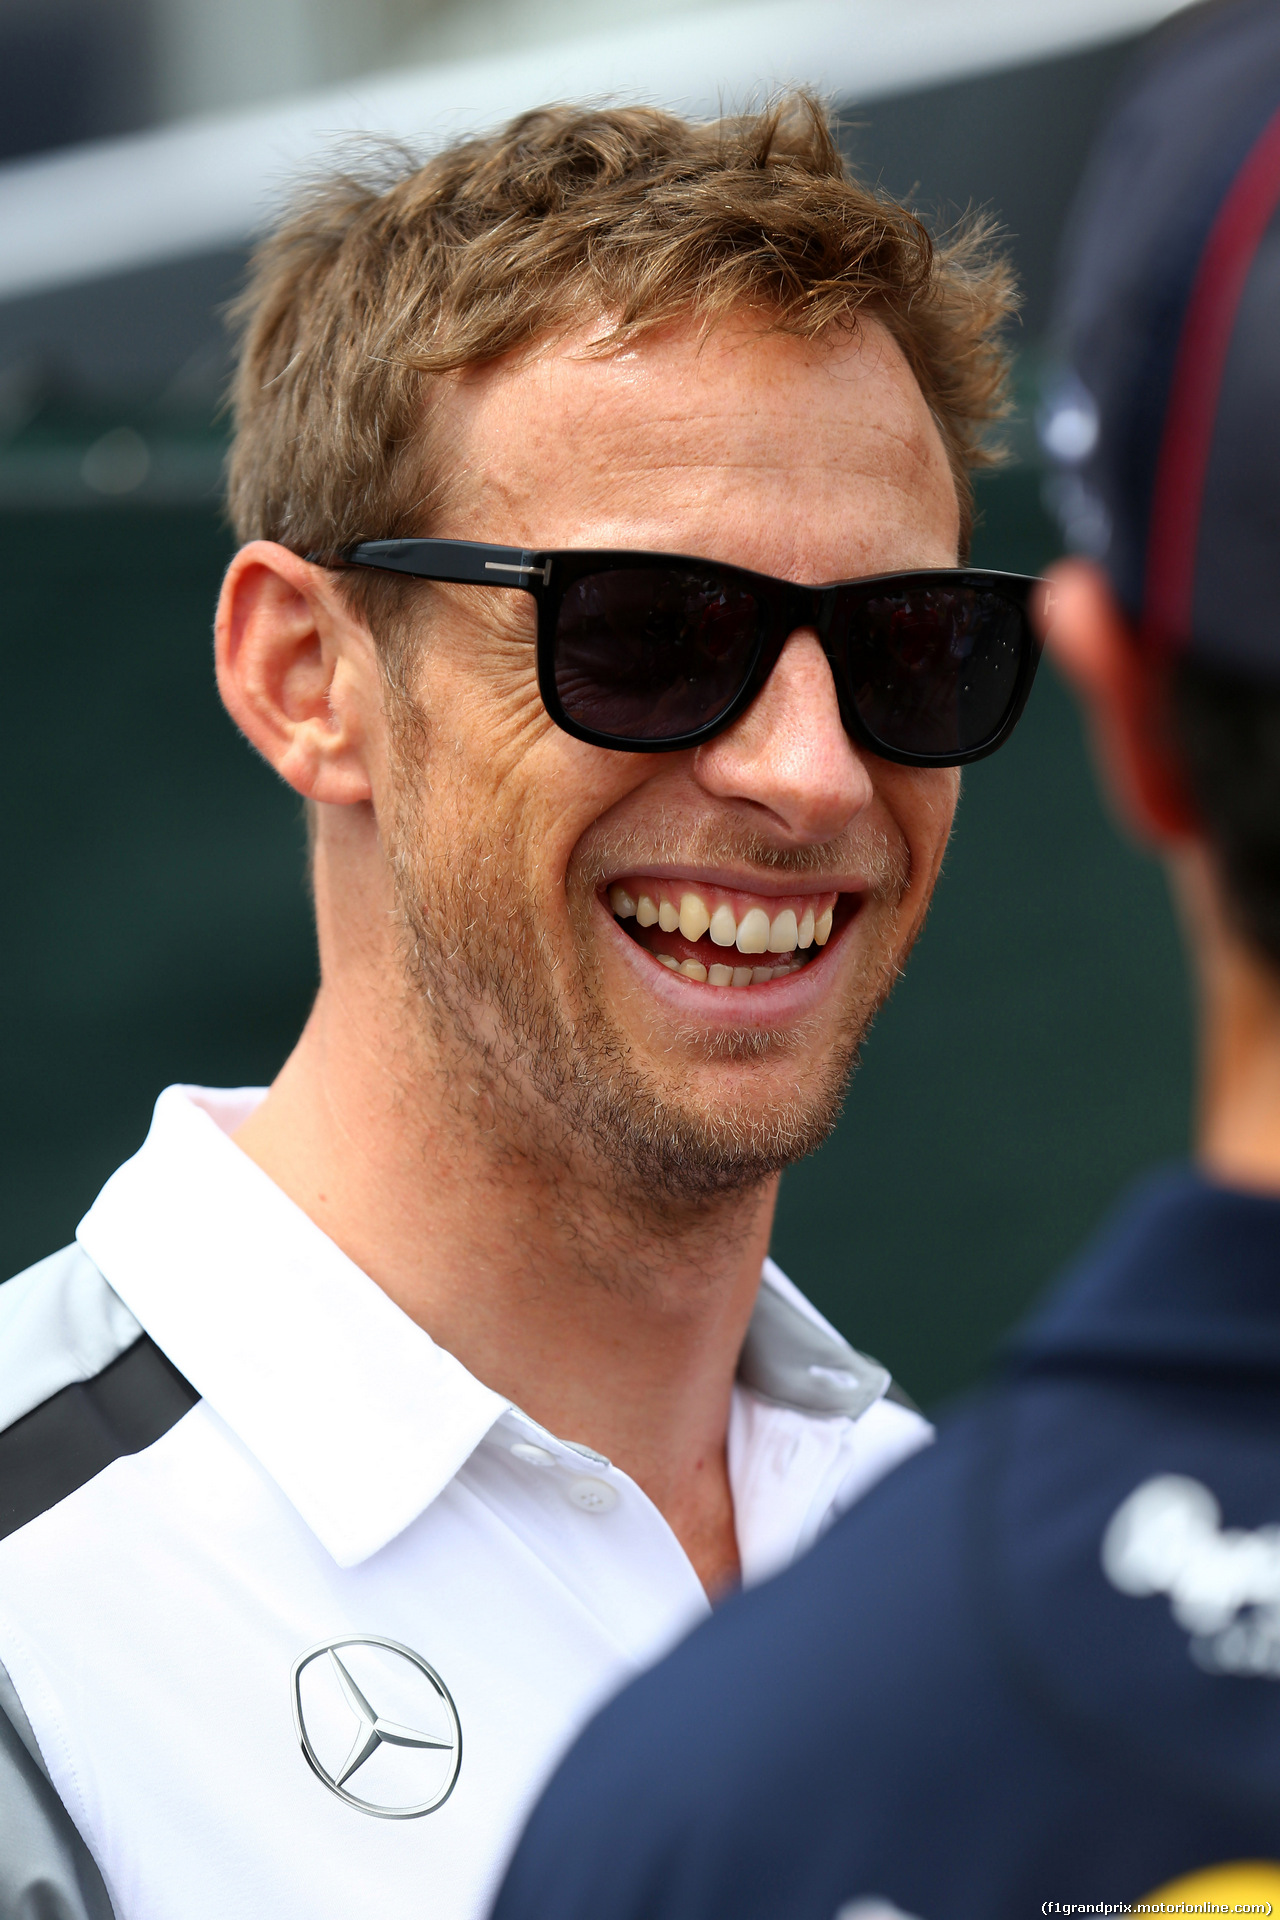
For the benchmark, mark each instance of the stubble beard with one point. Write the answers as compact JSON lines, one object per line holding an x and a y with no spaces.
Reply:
{"x":549,"y":1077}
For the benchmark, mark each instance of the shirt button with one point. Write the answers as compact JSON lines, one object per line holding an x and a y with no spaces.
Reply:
{"x":592,"y":1496}
{"x":533,"y":1456}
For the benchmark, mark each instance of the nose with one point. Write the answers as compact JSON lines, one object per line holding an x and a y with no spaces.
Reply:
{"x":789,"y":752}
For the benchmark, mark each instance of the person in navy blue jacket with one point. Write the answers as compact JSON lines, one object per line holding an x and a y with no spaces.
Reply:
{"x":1038,"y":1669}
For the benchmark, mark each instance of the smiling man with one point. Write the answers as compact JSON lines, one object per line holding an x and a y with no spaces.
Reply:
{"x":402,"y":1412}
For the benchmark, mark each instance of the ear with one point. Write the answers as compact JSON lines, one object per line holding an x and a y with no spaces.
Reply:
{"x":297,"y":672}
{"x":1125,"y":696}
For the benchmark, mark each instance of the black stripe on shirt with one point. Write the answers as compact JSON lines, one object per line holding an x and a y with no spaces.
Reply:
{"x":59,"y":1445}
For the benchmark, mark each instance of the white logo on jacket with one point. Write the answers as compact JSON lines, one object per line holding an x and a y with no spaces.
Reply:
{"x":1223,"y":1583}
{"x":873,"y":1909}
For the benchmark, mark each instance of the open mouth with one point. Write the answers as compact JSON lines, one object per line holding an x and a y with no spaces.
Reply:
{"x":720,"y":938}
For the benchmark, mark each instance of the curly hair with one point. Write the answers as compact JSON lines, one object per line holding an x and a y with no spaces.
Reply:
{"x":380,"y":283}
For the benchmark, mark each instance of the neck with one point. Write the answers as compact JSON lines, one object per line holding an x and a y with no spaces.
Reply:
{"x":612,"y":1329}
{"x":1238,"y":1119}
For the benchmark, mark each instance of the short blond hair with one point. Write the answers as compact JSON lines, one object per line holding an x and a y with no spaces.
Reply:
{"x":375,"y":287}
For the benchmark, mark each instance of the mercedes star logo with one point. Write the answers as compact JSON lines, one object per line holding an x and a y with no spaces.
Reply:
{"x":407,"y":1757}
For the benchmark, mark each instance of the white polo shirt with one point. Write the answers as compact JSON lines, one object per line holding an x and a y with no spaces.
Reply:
{"x":311,"y":1653}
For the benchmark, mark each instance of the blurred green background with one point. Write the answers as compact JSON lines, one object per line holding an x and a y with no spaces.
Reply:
{"x":1034,"y":1058}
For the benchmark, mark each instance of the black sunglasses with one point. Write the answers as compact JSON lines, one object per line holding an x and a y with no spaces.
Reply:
{"x":656,"y":652}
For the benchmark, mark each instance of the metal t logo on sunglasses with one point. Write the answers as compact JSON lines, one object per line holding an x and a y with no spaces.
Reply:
{"x":657,"y":652}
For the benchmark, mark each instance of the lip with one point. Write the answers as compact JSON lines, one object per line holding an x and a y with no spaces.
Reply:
{"x":775,"y":1003}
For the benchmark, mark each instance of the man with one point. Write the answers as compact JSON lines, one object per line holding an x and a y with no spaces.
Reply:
{"x":1039,"y":1665}
{"x":377,"y":1427}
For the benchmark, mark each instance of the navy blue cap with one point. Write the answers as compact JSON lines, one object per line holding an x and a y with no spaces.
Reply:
{"x":1166,"y":422}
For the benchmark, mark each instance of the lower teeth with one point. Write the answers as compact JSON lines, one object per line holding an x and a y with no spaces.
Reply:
{"x":722,"y":976}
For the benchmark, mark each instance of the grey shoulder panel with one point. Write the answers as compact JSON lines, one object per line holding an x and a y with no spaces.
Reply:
{"x":59,"y":1323}
{"x":789,"y":1358}
{"x":46,"y":1870}
{"x":80,"y":1385}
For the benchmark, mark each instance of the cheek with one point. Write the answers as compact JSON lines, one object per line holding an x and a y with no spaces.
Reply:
{"x":923,"y":802}
{"x":567,"y":788}
{"x":502,"y":778}
{"x":502,"y":787}
{"x":490,"y":714}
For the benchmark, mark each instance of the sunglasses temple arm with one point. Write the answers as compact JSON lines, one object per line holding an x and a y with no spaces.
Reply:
{"x":460,"y":562}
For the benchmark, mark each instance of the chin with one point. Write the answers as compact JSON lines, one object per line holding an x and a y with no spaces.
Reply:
{"x":688,"y":1148}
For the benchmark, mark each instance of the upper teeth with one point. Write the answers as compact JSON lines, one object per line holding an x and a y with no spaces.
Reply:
{"x":755,"y":932}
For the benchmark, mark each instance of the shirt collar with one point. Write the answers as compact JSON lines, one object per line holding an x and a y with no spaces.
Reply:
{"x":352,"y":1409}
{"x":1186,"y":1276}
{"x":355,"y":1412}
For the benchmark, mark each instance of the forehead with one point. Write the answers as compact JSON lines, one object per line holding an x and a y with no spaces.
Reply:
{"x":812,"y":460}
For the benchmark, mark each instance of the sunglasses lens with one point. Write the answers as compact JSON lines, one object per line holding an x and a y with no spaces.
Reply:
{"x":935,"y":669}
{"x":649,"y":653}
